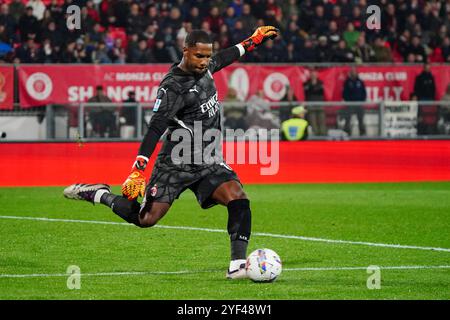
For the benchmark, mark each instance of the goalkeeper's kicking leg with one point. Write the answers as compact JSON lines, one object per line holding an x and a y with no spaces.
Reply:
{"x":145,"y":215}
{"x":231,"y":195}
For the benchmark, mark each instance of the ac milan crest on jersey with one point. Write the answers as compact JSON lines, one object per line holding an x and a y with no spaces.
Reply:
{"x":153,"y":190}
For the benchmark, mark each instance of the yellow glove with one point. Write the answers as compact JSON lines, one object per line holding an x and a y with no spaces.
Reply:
{"x":134,"y":185}
{"x":261,"y":35}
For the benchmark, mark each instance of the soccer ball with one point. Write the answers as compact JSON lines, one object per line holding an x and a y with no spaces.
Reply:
{"x":263,"y":265}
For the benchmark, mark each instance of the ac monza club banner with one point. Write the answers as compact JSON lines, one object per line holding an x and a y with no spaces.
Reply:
{"x":388,"y":83}
{"x":273,"y":81}
{"x":6,"y":87}
{"x":43,"y":84}
{"x":60,"y":84}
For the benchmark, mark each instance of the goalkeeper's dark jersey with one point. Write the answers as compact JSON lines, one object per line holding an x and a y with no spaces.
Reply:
{"x":190,"y":103}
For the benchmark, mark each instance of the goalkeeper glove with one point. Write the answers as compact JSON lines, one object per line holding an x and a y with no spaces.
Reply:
{"x":261,"y":35}
{"x":134,"y":185}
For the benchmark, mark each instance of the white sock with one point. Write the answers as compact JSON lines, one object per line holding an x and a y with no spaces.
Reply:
{"x":236,"y":264}
{"x":99,"y":194}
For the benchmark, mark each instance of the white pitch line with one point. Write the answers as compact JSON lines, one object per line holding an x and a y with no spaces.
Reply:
{"x":144,"y":273}
{"x":261,"y":234}
{"x":365,"y":268}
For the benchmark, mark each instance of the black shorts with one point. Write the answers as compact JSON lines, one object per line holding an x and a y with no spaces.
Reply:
{"x":168,"y":181}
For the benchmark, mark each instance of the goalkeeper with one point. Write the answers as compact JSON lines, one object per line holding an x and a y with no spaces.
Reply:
{"x":187,"y":94}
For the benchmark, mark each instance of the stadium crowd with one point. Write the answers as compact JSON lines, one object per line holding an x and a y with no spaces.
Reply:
{"x":132,"y":31}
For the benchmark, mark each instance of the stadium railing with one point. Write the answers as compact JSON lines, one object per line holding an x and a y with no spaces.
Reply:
{"x":127,"y":121}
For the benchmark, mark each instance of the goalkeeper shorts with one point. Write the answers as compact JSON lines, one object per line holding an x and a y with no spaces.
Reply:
{"x":169,"y":180}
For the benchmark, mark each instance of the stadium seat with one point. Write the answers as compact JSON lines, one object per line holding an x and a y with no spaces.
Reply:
{"x":118,"y":33}
{"x":436,"y":56}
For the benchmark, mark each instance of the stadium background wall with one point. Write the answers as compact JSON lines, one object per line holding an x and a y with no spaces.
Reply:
{"x":59,"y":164}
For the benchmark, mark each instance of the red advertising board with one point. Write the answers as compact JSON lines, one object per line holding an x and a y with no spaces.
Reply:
{"x":43,"y":84}
{"x":6,"y":87}
{"x":61,"y":164}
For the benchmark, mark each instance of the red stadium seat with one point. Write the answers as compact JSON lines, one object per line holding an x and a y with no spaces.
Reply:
{"x":436,"y":56}
{"x":118,"y":33}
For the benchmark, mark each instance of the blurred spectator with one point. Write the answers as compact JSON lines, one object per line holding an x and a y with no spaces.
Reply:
{"x":258,"y":8}
{"x":424,"y":85}
{"x":363,"y":52}
{"x":350,"y":36}
{"x":285,"y":111}
{"x":307,"y":52}
{"x":319,"y":23}
{"x":354,"y":90}
{"x":117,"y":52}
{"x":341,"y":21}
{"x":53,"y":34}
{"x":7,"y":20}
{"x":80,"y":54}
{"x":68,"y":55}
{"x":314,"y":91}
{"x":402,"y":43}
{"x":259,"y":114}
{"x":28,"y":23}
{"x":247,"y":18}
{"x":296,"y":128}
{"x":292,"y":34}
{"x":152,"y":17}
{"x":342,"y":53}
{"x":290,"y":7}
{"x":425,"y":89}
{"x":97,"y":34}
{"x":150,"y":35}
{"x":389,"y":21}
{"x":16,"y":9}
{"x":357,"y":19}
{"x":333,"y":34}
{"x":51,"y":54}
{"x":100,"y":54}
{"x":446,"y":49}
{"x":292,"y":55}
{"x":174,"y":21}
{"x":121,"y":9}
{"x":30,"y":52}
{"x":273,"y":51}
{"x":102,"y":118}
{"x":323,"y":50}
{"x":128,"y":114}
{"x":274,"y":16}
{"x":5,"y":47}
{"x":160,"y":52}
{"x":214,"y":20}
{"x":429,"y":18}
{"x":236,"y":36}
{"x":413,"y":31}
{"x":135,"y":21}
{"x":444,"y":113}
{"x":38,"y":8}
{"x":381,"y":52}
{"x":141,"y":54}
{"x":93,"y":13}
{"x":219,"y":4}
{"x":230,"y":17}
{"x":233,"y":112}
{"x":237,"y":5}
{"x":416,"y":50}
{"x":224,"y":36}
{"x":194,"y":17}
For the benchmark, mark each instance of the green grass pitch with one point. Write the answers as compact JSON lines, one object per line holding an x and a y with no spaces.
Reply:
{"x":180,"y":263}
